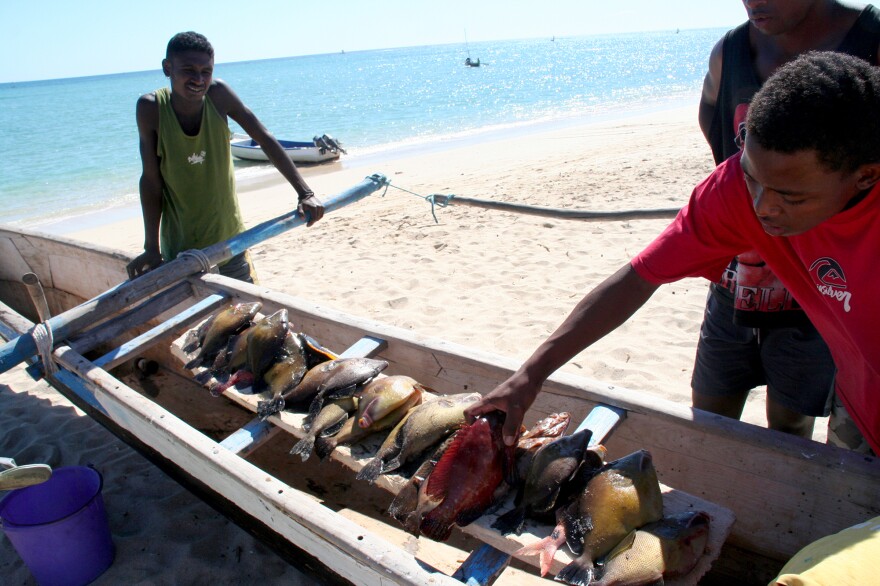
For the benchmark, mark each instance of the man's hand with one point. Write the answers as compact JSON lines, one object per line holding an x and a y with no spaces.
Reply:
{"x":144,"y":263}
{"x":311,"y":205}
{"x":514,"y":397}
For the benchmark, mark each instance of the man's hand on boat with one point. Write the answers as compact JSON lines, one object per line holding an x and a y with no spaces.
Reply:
{"x":513,"y":397}
{"x":310,"y":208}
{"x":144,"y":263}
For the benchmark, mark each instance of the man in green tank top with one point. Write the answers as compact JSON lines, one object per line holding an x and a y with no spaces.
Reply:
{"x":187,"y":186}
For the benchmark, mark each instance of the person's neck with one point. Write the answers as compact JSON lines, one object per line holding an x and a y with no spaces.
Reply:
{"x":822,"y":29}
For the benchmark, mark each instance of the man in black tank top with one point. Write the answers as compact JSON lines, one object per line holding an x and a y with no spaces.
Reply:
{"x":754,"y":333}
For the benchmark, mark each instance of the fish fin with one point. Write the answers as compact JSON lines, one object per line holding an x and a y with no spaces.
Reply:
{"x":315,"y":407}
{"x":576,"y":527}
{"x":440,"y":476}
{"x":511,"y":521}
{"x":194,"y":363}
{"x":578,"y":573}
{"x":324,"y":446}
{"x":405,"y":502}
{"x":435,"y":529}
{"x":204,"y":378}
{"x":625,"y":545}
{"x":371,"y":471}
{"x":270,"y":407}
{"x":546,"y":548}
{"x":303,"y":447}
{"x":333,"y":429}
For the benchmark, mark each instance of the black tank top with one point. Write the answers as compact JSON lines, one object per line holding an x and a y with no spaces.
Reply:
{"x":739,"y":81}
{"x":758,"y":297}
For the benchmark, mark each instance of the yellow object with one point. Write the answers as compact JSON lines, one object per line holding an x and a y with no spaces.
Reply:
{"x":851,"y":557}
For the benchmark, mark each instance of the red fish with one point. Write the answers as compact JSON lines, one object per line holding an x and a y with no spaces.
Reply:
{"x":462,"y":485}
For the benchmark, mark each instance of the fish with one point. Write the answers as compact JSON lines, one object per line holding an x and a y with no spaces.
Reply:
{"x":621,"y":497}
{"x":214,"y":333}
{"x":552,"y":466}
{"x":315,"y":352}
{"x":284,"y":375}
{"x":328,"y":422}
{"x":382,"y":403}
{"x":665,"y":549}
{"x":403,"y":507}
{"x":462,"y":484}
{"x":424,"y":426}
{"x":543,"y":432}
{"x":264,"y":341}
{"x":335,"y":379}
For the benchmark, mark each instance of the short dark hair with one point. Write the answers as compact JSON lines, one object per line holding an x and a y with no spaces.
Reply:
{"x":822,"y":101}
{"x":188,"y":41}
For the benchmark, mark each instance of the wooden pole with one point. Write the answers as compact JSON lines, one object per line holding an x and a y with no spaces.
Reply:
{"x":74,"y":320}
{"x":561,"y":213}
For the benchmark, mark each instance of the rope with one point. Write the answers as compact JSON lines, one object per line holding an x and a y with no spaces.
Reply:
{"x":42,"y":335}
{"x":431,"y":199}
{"x":200,"y":256}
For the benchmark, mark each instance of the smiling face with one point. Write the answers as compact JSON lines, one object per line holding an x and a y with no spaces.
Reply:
{"x":190,"y":73}
{"x":794,"y":192}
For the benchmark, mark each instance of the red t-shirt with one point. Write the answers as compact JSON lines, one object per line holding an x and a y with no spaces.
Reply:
{"x":832,"y":270}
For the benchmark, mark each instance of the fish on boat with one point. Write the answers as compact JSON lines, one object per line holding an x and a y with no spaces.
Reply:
{"x":659,"y":551}
{"x":335,"y":379}
{"x":462,"y":484}
{"x":215,"y":333}
{"x":423,"y":427}
{"x":329,"y":421}
{"x":381,"y":404}
{"x":101,"y":330}
{"x":553,"y":465}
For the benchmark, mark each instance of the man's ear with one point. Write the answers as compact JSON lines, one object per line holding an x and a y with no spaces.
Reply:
{"x":868,"y":176}
{"x":166,"y":67}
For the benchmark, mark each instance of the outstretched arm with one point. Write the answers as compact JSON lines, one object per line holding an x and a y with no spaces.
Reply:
{"x":601,"y":311}
{"x":231,"y":104}
{"x":150,"y":185}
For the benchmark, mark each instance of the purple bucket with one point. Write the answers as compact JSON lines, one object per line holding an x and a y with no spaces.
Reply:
{"x":59,"y":527}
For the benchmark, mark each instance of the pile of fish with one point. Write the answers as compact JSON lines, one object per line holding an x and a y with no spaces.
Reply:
{"x":609,"y":514}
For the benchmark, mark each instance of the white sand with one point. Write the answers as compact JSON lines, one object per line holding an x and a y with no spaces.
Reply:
{"x":493,"y":280}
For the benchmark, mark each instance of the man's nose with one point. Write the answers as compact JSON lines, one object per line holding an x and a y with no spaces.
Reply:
{"x":765,"y":203}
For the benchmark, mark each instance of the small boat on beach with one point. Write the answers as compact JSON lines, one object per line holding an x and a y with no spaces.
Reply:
{"x":768,"y":494}
{"x":321,"y":148}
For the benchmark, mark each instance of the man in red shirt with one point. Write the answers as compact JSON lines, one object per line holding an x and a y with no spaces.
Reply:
{"x":803,"y":194}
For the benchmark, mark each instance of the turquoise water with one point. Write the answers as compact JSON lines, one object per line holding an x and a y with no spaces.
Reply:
{"x":69,"y":146}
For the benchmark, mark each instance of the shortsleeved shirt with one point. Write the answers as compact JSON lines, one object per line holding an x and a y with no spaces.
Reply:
{"x":831,"y":270}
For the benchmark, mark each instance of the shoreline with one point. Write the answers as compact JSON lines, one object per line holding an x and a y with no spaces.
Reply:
{"x":250,"y":176}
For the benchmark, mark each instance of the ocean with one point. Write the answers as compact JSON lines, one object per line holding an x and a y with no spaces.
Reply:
{"x":69,"y":146}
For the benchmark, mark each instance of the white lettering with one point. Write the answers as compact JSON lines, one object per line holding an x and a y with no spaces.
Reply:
{"x":838,"y":294}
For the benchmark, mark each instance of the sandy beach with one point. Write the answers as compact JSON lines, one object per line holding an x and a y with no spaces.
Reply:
{"x":496,"y":281}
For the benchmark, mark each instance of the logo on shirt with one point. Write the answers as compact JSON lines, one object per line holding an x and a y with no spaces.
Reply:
{"x":830,"y":280}
{"x":196,"y":158}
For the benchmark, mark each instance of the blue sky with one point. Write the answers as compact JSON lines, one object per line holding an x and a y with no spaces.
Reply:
{"x":65,"y":38}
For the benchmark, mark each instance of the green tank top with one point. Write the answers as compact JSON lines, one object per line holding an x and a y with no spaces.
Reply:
{"x":199,"y":206}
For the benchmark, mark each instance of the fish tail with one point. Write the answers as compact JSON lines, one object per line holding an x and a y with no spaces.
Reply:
{"x":511,"y":521}
{"x":303,"y":447}
{"x":578,"y":573}
{"x":546,"y":548}
{"x":195,"y":362}
{"x":371,"y":471}
{"x":315,"y":407}
{"x":324,"y":446}
{"x":270,"y":407}
{"x":205,"y":378}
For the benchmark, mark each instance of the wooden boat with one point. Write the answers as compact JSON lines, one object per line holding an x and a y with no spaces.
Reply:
{"x":783,"y":491}
{"x":320,"y":149}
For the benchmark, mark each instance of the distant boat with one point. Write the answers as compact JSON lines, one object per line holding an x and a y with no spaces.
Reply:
{"x":320,"y":149}
{"x":469,"y":62}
